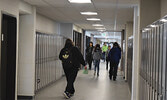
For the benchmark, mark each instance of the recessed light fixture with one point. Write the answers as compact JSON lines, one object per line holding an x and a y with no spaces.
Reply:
{"x":80,"y":1}
{"x":93,"y":19}
{"x":97,"y":25}
{"x":88,"y":13}
{"x":101,"y":28}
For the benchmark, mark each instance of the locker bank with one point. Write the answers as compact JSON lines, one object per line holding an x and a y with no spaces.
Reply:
{"x":33,"y":32}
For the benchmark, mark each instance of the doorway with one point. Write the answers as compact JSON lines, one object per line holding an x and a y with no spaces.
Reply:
{"x":8,"y":58}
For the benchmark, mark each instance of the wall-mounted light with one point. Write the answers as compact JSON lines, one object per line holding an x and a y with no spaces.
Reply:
{"x":88,"y":13}
{"x":93,"y":19}
{"x":80,"y":1}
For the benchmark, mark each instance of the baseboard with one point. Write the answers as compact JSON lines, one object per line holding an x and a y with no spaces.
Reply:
{"x":25,"y":97}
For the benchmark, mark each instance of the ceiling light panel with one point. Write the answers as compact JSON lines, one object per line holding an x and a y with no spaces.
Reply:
{"x":93,"y":19}
{"x":89,"y":13}
{"x":80,"y":1}
{"x":101,"y":28}
{"x":97,"y":25}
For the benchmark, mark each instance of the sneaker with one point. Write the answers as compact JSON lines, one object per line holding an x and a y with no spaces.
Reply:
{"x":94,"y":73}
{"x":97,"y":74}
{"x":114,"y":79}
{"x":67,"y":95}
{"x":71,"y":95}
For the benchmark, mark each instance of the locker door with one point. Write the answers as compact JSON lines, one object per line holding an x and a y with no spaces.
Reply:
{"x":164,"y":62}
{"x":160,"y":63}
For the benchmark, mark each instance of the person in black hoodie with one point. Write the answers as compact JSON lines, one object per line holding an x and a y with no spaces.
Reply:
{"x":114,"y":56}
{"x":89,"y":57}
{"x":71,"y":59}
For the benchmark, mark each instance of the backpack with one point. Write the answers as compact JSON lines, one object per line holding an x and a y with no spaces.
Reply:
{"x":67,"y":56}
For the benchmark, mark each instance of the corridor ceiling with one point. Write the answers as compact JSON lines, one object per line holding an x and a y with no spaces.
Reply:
{"x":111,"y":12}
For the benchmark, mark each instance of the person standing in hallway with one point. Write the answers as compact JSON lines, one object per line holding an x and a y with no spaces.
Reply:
{"x":114,"y":57}
{"x":89,"y":57}
{"x":109,"y":48}
{"x":96,"y":57}
{"x":71,"y":59}
{"x":104,"y":50}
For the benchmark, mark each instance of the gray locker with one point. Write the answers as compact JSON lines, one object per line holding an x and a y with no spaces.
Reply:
{"x":48,"y":67}
{"x":153,"y":70}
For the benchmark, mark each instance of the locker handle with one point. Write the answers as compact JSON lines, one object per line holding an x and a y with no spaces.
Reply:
{"x":38,"y":80}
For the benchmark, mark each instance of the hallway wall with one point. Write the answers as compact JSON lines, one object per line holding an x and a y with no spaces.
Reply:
{"x":46,"y":25}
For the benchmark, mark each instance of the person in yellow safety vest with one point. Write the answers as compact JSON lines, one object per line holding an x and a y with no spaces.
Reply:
{"x":104,"y":50}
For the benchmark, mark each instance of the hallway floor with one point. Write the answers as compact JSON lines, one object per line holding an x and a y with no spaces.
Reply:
{"x":89,"y":87}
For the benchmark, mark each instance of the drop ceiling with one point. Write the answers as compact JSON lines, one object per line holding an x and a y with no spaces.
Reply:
{"x":111,"y":12}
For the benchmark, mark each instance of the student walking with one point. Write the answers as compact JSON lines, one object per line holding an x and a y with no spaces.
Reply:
{"x":96,"y":57}
{"x":114,"y":57}
{"x":71,"y":59}
{"x":104,"y":50}
{"x":89,"y":55}
{"x":107,"y":60}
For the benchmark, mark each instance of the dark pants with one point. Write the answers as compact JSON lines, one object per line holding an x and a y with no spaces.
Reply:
{"x":89,"y":61}
{"x":113,"y":70}
{"x":71,"y":75}
{"x":90,"y":65}
{"x":104,"y":56}
{"x":107,"y":64}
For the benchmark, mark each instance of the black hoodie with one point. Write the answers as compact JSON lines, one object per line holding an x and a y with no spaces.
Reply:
{"x":77,"y":57}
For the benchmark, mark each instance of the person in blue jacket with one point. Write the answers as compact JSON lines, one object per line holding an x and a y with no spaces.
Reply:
{"x":114,"y":56}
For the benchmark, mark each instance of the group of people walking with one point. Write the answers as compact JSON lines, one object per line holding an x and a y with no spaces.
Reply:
{"x":71,"y":59}
{"x":108,"y":54}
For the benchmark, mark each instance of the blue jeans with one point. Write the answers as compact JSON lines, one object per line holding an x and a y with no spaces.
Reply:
{"x":96,"y":63}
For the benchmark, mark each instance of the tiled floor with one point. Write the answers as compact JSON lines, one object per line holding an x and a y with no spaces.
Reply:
{"x":89,"y":87}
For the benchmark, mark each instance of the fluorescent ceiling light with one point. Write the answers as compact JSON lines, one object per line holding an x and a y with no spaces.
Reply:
{"x":80,"y":1}
{"x":163,"y":20}
{"x":101,"y":28}
{"x":93,"y":19}
{"x":97,"y":25}
{"x":88,"y":13}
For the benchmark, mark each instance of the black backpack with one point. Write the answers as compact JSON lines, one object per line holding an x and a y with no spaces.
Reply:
{"x":67,"y":56}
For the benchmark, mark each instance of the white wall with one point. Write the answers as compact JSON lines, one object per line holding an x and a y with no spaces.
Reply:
{"x":78,"y":29}
{"x":149,"y":12}
{"x":25,"y":8}
{"x":66,"y":30}
{"x":11,"y":7}
{"x":129,"y":32}
{"x":136,"y":55}
{"x":46,"y":25}
{"x":26,"y":70}
{"x":163,"y":8}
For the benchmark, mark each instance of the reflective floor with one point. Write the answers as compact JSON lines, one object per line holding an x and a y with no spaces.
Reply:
{"x":89,"y":87}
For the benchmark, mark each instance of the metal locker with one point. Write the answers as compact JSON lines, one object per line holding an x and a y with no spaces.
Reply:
{"x":164,"y":61}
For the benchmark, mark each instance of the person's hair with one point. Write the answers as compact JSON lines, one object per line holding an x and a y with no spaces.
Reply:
{"x":97,"y":47}
{"x":69,"y":43}
{"x":91,"y":43}
{"x":116,"y":45}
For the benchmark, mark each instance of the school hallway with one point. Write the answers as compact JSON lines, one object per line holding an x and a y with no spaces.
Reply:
{"x":89,"y":87}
